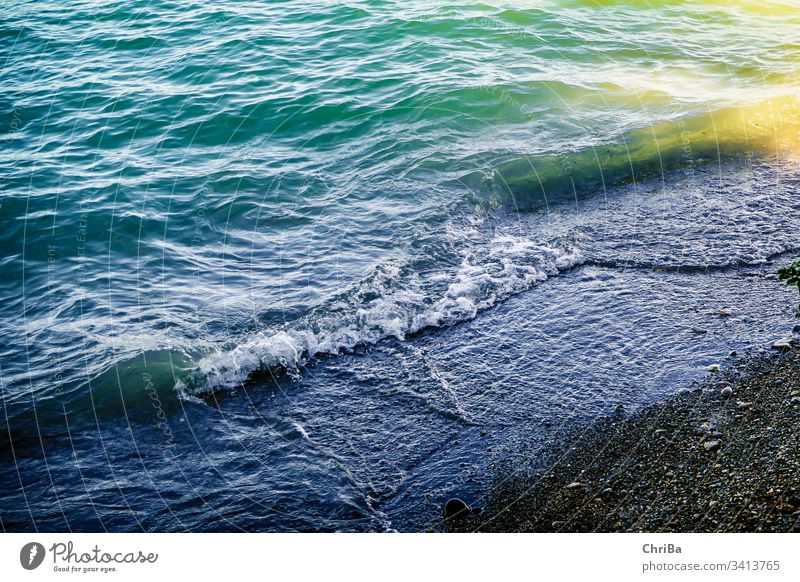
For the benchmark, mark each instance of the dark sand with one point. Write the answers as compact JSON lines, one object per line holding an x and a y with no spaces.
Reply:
{"x":702,"y":461}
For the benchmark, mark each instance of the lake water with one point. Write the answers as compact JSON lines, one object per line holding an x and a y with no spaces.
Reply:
{"x":317,"y":266}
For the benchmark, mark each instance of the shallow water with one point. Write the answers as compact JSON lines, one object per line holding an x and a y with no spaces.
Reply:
{"x":269,"y":268}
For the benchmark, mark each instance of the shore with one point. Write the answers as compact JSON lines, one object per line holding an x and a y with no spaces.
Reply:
{"x":721,"y":457}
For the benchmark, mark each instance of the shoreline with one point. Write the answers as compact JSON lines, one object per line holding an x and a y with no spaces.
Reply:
{"x":721,"y":457}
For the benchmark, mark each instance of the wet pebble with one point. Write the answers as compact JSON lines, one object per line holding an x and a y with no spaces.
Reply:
{"x":782,"y":344}
{"x":456,"y":507}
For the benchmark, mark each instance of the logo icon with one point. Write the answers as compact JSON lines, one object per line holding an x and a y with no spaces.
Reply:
{"x":31,"y":555}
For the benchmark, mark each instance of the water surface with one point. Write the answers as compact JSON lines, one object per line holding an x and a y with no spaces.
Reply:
{"x":277,"y":266}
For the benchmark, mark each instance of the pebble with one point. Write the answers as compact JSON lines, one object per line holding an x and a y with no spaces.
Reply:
{"x":796,"y":329}
{"x":559,"y":524}
{"x":456,"y":507}
{"x":713,"y":368}
{"x":782,"y":344}
{"x":726,"y":392}
{"x":711,"y":445}
{"x":744,"y":405}
{"x":795,"y":401}
{"x":725,"y":312}
{"x":573,"y":485}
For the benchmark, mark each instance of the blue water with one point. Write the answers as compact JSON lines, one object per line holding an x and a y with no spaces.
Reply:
{"x":317,"y":266}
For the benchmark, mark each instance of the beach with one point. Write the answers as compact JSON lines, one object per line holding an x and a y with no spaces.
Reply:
{"x":721,"y":457}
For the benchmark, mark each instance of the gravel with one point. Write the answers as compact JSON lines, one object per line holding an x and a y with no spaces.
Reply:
{"x":693,"y":463}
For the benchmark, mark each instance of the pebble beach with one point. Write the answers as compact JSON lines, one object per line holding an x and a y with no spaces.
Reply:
{"x":720,"y":457}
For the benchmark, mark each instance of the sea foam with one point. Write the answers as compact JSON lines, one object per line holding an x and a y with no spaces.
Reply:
{"x":392,"y":303}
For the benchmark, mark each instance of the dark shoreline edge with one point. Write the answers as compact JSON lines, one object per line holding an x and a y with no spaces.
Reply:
{"x":704,"y":460}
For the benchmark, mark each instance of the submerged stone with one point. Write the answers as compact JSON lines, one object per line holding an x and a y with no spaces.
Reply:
{"x":456,"y":507}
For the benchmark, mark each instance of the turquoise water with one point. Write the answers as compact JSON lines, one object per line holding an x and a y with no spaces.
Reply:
{"x":200,"y":199}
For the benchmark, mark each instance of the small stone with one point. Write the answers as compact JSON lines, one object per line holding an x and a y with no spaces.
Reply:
{"x":703,"y":429}
{"x":796,"y":329}
{"x":573,"y":485}
{"x":711,"y":445}
{"x":607,"y":490}
{"x":712,"y":503}
{"x":783,"y":344}
{"x":726,"y":392}
{"x":713,"y":368}
{"x":725,"y":312}
{"x":795,"y":401}
{"x":733,"y":354}
{"x":744,"y":405}
{"x":699,"y":330}
{"x":559,"y":524}
{"x":455,"y":507}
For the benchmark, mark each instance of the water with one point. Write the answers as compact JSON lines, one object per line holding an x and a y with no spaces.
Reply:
{"x":277,"y":266}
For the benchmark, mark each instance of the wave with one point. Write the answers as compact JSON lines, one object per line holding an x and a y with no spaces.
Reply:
{"x":489,"y":265}
{"x":766,"y":128}
{"x":396,"y":302}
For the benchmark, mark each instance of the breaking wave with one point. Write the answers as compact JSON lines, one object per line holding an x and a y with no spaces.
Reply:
{"x":395,"y":302}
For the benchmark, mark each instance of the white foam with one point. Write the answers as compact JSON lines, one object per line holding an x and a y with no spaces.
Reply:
{"x":389,"y":304}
